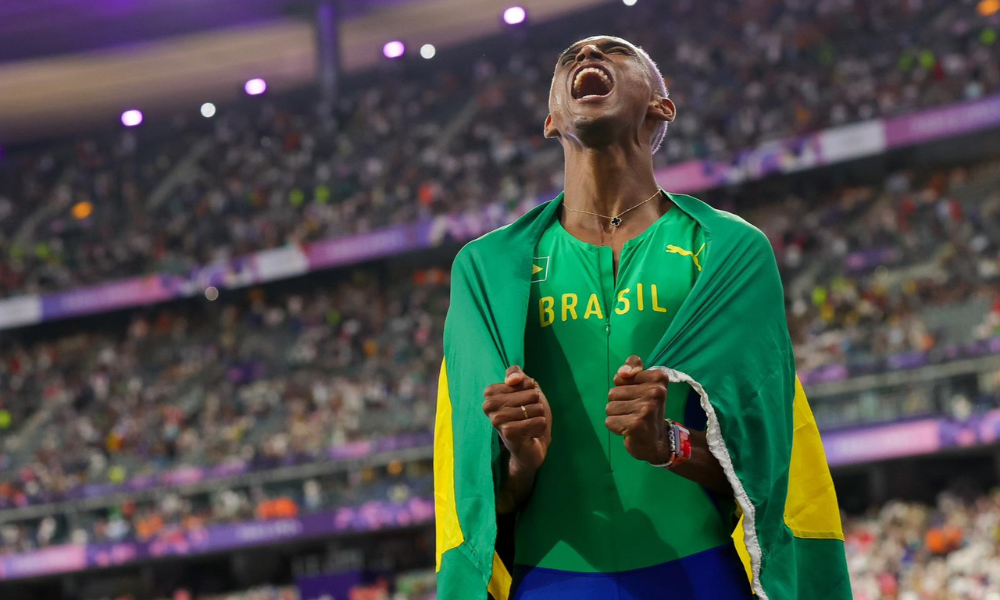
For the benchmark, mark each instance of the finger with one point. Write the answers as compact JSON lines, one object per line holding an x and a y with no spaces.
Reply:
{"x":633,"y":365}
{"x":645,"y":392}
{"x":498,"y":389}
{"x":618,"y":425}
{"x":626,"y":393}
{"x":514,"y":375}
{"x":629,"y":371}
{"x":527,"y":383}
{"x":621,"y":408}
{"x":529,"y":428}
{"x":513,"y":415}
{"x":512,"y":399}
{"x":657,"y":376}
{"x":647,"y":376}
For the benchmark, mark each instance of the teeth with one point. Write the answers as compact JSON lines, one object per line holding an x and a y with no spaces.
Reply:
{"x":578,"y":82}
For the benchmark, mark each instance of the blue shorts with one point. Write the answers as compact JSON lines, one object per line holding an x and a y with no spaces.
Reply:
{"x":715,"y":574}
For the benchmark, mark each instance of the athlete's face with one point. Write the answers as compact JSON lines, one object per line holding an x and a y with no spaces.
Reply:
{"x":601,"y":94}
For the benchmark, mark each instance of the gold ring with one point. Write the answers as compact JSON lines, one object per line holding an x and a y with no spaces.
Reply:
{"x":525,"y":411}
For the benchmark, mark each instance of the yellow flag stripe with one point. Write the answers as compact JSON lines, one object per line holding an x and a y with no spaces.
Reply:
{"x":741,"y":548}
{"x":499,"y":586}
{"x":448,"y":531}
{"x":811,"y":509}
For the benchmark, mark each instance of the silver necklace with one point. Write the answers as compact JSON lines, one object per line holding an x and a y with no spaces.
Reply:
{"x":617,"y":219}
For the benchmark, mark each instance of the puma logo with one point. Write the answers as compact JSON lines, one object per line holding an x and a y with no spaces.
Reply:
{"x":671,"y":249}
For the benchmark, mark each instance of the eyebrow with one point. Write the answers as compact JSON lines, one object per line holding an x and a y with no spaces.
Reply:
{"x":602,"y":45}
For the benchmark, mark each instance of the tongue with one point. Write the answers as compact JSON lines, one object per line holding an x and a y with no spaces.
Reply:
{"x":593,"y":85}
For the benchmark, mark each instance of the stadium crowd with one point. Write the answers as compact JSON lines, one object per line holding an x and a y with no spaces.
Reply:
{"x":170,"y":515}
{"x":430,"y":140}
{"x":267,"y":382}
{"x":910,"y":551}
{"x":901,"y":551}
{"x":268,"y":377}
{"x":271,"y":376}
{"x":880,"y":257}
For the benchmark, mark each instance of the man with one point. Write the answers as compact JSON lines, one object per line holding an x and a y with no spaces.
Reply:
{"x":592,"y":517}
{"x":616,"y":489}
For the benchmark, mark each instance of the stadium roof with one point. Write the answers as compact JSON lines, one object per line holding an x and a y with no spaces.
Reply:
{"x":67,"y":65}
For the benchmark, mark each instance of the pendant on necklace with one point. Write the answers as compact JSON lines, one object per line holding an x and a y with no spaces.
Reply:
{"x":616,"y":221}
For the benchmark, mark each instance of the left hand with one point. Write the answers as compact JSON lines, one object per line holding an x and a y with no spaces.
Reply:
{"x":635,"y":410}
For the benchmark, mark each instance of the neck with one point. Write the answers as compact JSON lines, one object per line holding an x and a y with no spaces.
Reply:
{"x":609,"y":181}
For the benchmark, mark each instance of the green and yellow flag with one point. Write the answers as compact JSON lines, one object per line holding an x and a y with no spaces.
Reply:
{"x":729,"y":341}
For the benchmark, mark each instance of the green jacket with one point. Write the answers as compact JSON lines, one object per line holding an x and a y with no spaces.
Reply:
{"x":729,"y":341}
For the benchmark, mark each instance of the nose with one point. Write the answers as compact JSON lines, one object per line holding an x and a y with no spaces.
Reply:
{"x":589,"y":51}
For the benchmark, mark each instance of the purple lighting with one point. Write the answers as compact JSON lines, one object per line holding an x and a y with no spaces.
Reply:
{"x":393,"y":49}
{"x":131,"y":118}
{"x":255,"y":87}
{"x":514,"y":15}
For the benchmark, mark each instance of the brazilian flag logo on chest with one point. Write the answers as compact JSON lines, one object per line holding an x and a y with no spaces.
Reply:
{"x":539,"y":269}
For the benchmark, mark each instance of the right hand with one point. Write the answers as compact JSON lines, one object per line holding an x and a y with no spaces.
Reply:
{"x":527,"y":431}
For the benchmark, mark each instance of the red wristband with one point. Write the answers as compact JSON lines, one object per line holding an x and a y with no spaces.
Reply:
{"x":679,"y":438}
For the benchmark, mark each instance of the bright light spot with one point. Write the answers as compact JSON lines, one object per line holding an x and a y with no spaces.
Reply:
{"x":630,"y":2}
{"x":988,"y":7}
{"x":428,"y":51}
{"x":208,"y":110}
{"x":131,"y":118}
{"x":255,"y":87}
{"x":514,"y":15}
{"x":82,"y":210}
{"x":393,"y":49}
{"x":212,"y":293}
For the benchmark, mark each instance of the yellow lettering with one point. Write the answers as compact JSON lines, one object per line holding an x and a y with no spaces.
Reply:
{"x":623,"y":301}
{"x":593,"y":308}
{"x":656,"y":307}
{"x":545,"y":313}
{"x":569,"y":305}
{"x":638,"y":300}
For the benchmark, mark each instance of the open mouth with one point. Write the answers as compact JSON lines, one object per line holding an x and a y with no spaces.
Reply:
{"x":592,"y":82}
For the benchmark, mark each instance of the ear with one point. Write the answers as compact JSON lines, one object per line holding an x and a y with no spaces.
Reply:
{"x":550,"y":128}
{"x":661,"y":109}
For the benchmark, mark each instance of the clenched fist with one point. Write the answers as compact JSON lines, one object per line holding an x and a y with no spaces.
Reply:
{"x":517,"y":408}
{"x":636,"y":408}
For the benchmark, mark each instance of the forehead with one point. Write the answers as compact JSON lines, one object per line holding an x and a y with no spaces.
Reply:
{"x":601,"y":41}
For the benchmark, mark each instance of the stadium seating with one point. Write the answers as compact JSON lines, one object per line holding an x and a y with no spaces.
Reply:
{"x":912,"y":551}
{"x":429,"y":140}
{"x":274,"y":378}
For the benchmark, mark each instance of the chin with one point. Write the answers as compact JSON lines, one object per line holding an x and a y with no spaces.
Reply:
{"x":597,"y":131}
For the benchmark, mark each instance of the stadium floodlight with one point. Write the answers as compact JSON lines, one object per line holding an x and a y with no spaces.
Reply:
{"x":208,"y":110}
{"x":394,"y":49}
{"x":514,"y":15}
{"x":255,"y":87}
{"x":428,"y":51}
{"x":630,"y":2}
{"x":131,"y":118}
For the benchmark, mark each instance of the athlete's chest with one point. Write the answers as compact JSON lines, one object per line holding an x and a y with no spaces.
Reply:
{"x":576,"y":287}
